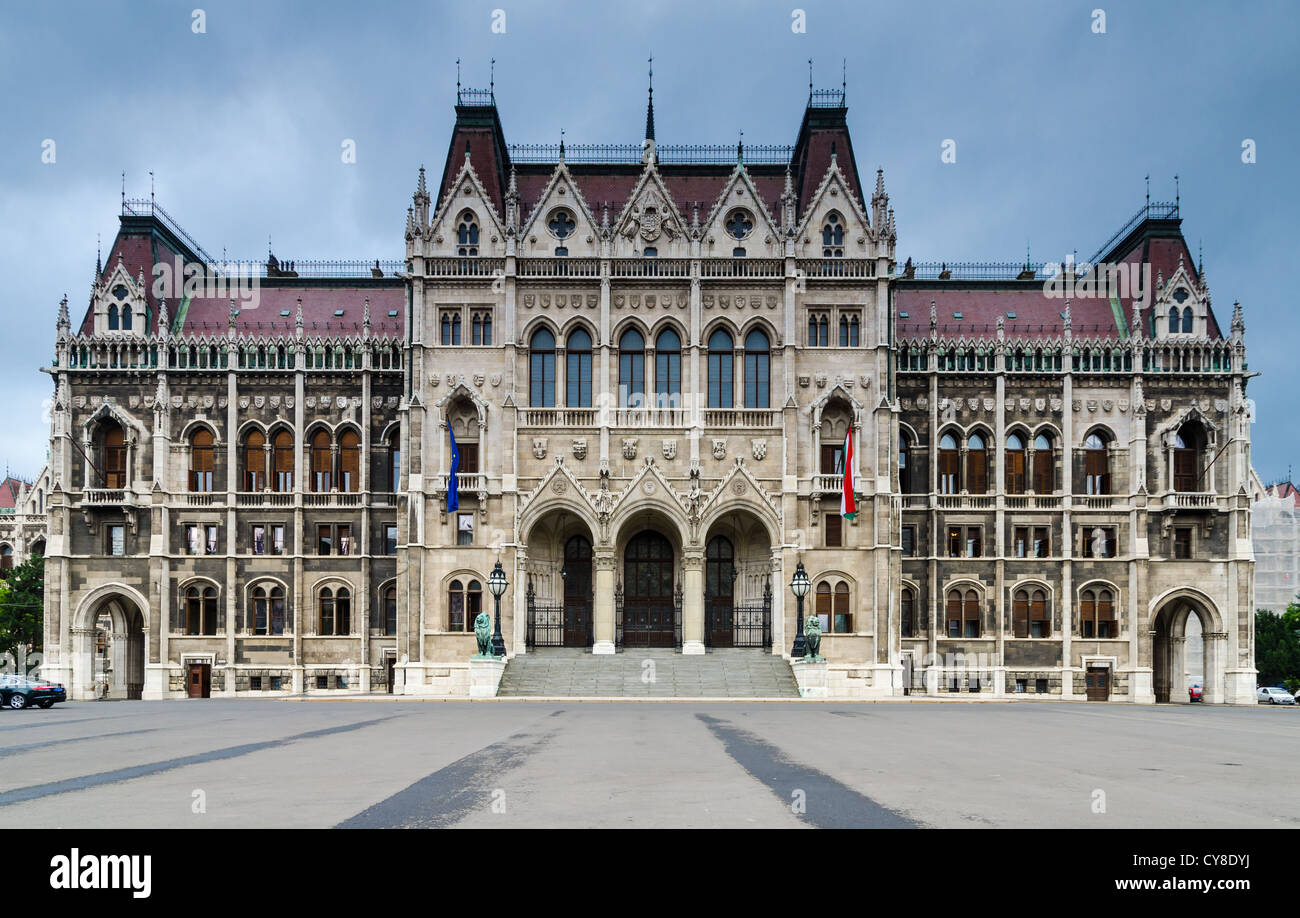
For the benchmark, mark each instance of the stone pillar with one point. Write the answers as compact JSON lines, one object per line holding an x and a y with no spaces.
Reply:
{"x":692,"y":603}
{"x":605,"y":611}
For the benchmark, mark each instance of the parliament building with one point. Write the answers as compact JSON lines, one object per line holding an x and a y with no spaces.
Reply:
{"x":651,"y":358}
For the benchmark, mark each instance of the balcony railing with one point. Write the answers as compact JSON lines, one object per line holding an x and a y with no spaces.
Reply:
{"x":104,"y":496}
{"x":558,"y":417}
{"x":559,"y":267}
{"x":332,"y":499}
{"x":967,"y":501}
{"x":740,"y":417}
{"x":650,"y":267}
{"x":742,"y":267}
{"x":827,"y":484}
{"x":651,"y":417}
{"x":466,"y":482}
{"x":836,"y":267}
{"x":464,"y":267}
{"x":1184,"y":500}
{"x":200,"y":499}
{"x":264,"y":499}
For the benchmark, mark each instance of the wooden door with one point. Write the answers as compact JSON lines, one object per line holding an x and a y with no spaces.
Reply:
{"x":199,"y":683}
{"x":392,"y":673}
{"x":1098,"y":683}
{"x":578,"y":631}
{"x":719,"y":592}
{"x":648,"y":608}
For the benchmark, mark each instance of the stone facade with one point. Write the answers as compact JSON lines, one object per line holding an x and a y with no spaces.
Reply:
{"x":650,"y":365}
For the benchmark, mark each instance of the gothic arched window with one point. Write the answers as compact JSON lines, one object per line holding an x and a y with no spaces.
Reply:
{"x":467,"y":235}
{"x":577,"y":369}
{"x":541,"y":369}
{"x":721,"y":370}
{"x":758,"y":361}
{"x":668,"y":369}
{"x":631,"y":369}
{"x":833,"y":237}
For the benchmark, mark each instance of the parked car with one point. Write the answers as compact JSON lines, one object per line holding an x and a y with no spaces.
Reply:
{"x":18,"y":692}
{"x":1271,"y":694}
{"x":1195,"y":693}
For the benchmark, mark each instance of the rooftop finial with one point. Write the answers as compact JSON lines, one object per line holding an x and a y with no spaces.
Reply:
{"x":844,"y":78}
{"x":1177,"y":193}
{"x":561,"y":144}
{"x":810,"y":80}
{"x":492,"y":79}
{"x":650,"y":107}
{"x":1147,"y":178}
{"x":457,"y":81}
{"x":99,"y":264}
{"x":740,"y":148}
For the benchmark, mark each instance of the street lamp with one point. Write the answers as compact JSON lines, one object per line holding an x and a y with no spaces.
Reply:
{"x":497,"y":584}
{"x":799,"y":586}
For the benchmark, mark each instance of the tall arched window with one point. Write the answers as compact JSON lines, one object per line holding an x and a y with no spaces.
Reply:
{"x":482,"y":328}
{"x":389,"y":604}
{"x":113,"y":456}
{"x":1029,"y":614}
{"x":577,"y":369}
{"x":350,"y":461}
{"x":335,"y":611}
{"x":1188,"y":326}
{"x":721,"y":371}
{"x":1188,"y":443}
{"x":266,"y":610}
{"x":126,"y":317}
{"x":445,"y":325}
{"x":948,"y":461}
{"x":395,"y":461}
{"x":1097,"y":615}
{"x":1096,"y":464}
{"x":467,"y":235}
{"x":977,"y":465}
{"x":631,"y":369}
{"x":963,"y":614}
{"x":201,"y":454}
{"x":758,"y":370}
{"x":904,"y":464}
{"x":668,"y":369}
{"x":1044,"y":465}
{"x":464,"y":603}
{"x":282,"y":451}
{"x":320,"y":461}
{"x":541,"y":369}
{"x":1173,"y":320}
{"x":112,"y":317}
{"x":201,"y":610}
{"x":833,"y":237}
{"x":1015,"y":460}
{"x":255,"y":461}
{"x":907,"y":614}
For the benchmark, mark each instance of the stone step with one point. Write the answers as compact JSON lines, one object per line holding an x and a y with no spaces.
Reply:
{"x":648,"y":673}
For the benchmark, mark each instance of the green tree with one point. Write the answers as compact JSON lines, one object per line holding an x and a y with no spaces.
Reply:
{"x":22,"y":605}
{"x":1277,"y":645}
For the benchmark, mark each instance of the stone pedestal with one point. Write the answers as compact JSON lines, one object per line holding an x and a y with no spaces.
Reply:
{"x":1142,"y":686}
{"x":157,"y":678}
{"x":811,"y":678}
{"x":485,"y":676}
{"x":692,"y":648}
{"x":603,"y":647}
{"x":1239,"y":687}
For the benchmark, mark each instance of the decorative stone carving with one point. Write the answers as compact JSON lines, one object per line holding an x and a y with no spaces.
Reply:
{"x":1040,"y":405}
{"x":539,"y":447}
{"x":1166,"y":404}
{"x":720,"y":449}
{"x":866,"y":381}
{"x":1107,"y":405}
{"x":670,"y":449}
{"x":989,"y":404}
{"x":629,"y":447}
{"x":804,"y":380}
{"x":580,"y":448}
{"x":1123,"y":404}
{"x":479,"y":379}
{"x":243,"y":401}
{"x":923,"y":402}
{"x":738,"y":487}
{"x":759,"y":449}
{"x":559,"y":485}
{"x":1055,"y":404}
{"x":821,"y":380}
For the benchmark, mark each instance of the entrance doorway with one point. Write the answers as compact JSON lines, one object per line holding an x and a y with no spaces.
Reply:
{"x":719,"y":592}
{"x":649,"y":600}
{"x":199,"y":680}
{"x":576,"y":574}
{"x":1098,"y":683}
{"x":391,"y":668}
{"x":1180,"y":651}
{"x":110,"y":657}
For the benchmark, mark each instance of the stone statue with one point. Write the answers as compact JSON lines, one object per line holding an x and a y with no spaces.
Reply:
{"x":812,"y":637}
{"x":483,"y":633}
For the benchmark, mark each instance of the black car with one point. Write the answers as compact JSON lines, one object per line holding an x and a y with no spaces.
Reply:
{"x":17,"y":693}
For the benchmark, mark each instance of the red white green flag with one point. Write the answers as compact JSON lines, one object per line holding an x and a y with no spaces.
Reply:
{"x":848,"y":509}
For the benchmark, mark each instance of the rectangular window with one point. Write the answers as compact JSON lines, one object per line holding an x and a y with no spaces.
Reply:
{"x":324,"y":540}
{"x":757,"y":370}
{"x":464,"y":529}
{"x":259,"y":540}
{"x":344,"y":540}
{"x":974,"y":541}
{"x":1015,"y":478}
{"x":1022,"y":686}
{"x":954,"y":541}
{"x":1020,"y":544}
{"x":1183,"y":542}
{"x":211,"y":542}
{"x":277,"y":682}
{"x":834,"y":530}
{"x":117,"y":540}
{"x":1040,"y":686}
{"x":1042,"y":547}
{"x":832,"y":459}
{"x":909,"y":541}
{"x":322,"y":682}
{"x":468,"y":458}
{"x":255,"y":683}
{"x":1099,"y":542}
{"x":193,"y":540}
{"x":390,"y":539}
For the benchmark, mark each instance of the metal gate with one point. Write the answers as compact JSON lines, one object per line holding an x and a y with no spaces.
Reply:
{"x":750,"y":625}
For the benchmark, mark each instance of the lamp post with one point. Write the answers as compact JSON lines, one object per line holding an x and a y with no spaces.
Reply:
{"x":497,"y":584}
{"x":799,"y":586}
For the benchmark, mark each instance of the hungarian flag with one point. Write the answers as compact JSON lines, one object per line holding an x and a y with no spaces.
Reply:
{"x":848,"y":509}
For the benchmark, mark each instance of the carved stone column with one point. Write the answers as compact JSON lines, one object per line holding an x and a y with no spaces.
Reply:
{"x":604,"y":642}
{"x":692,"y":603}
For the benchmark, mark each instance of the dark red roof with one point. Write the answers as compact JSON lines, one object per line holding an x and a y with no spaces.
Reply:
{"x":9,"y":489}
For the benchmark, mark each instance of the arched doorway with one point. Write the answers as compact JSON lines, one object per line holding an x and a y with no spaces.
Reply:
{"x":650,"y":599}
{"x":1174,"y":664}
{"x":738,"y":581}
{"x":110,"y":661}
{"x":579,"y":628}
{"x":719,"y":594}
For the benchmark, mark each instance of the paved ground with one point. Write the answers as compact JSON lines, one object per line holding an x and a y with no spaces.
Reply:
{"x":403,"y":763}
{"x":649,"y":673}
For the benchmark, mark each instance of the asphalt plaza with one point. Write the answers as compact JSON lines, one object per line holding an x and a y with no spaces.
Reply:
{"x":396,"y":763}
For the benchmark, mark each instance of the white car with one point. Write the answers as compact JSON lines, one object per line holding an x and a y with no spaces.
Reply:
{"x":1271,"y":694}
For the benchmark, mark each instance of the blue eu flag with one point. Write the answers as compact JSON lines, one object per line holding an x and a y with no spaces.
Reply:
{"x":453,"y":495}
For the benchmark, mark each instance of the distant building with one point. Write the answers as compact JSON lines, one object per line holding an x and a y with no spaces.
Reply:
{"x":22,"y":519}
{"x":1275,"y":533}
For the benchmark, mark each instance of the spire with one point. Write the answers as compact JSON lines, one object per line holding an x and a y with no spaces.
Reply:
{"x":512,"y":202}
{"x":650,"y":107}
{"x":1238,"y":321}
{"x":880,"y":180}
{"x":297,"y":319}
{"x":99,"y":265}
{"x":934,"y":317}
{"x":163,"y":328}
{"x":365,"y":315}
{"x":561,"y":144}
{"x":740,"y":148}
{"x":421,"y":188}
{"x":64,"y":320}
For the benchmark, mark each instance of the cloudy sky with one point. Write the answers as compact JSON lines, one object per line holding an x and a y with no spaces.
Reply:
{"x":242,"y":125}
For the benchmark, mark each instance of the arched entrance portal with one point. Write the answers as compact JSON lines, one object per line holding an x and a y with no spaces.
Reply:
{"x":108,"y":660}
{"x":650,"y":594}
{"x":559,"y":586}
{"x":1174,"y":663}
{"x":738,"y":582}
{"x":579,"y":626}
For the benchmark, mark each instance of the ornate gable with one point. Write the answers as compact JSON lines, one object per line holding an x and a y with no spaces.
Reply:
{"x":466,"y":193}
{"x":835,"y":195}
{"x":560,"y":218}
{"x":741,"y":209}
{"x":650,"y":219}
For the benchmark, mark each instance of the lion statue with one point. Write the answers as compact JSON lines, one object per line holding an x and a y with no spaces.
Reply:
{"x":812,"y":637}
{"x":483,"y":632}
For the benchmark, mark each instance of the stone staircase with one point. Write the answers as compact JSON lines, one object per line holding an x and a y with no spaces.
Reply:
{"x":648,"y":673}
